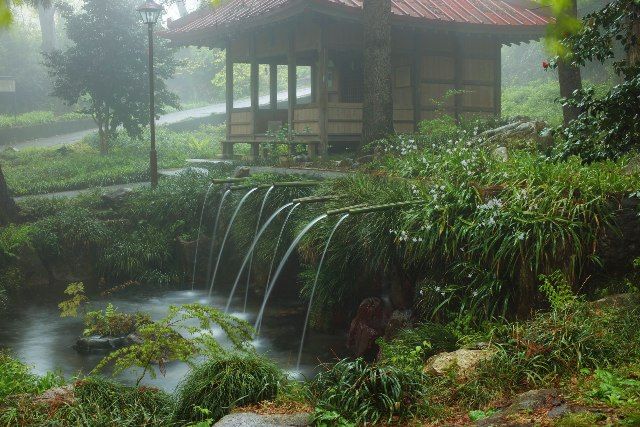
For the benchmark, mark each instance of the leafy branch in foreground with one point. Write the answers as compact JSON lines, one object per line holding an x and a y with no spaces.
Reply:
{"x":182,"y":335}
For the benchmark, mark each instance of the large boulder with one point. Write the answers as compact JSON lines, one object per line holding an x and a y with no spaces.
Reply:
{"x":117,"y":197}
{"x":242,"y":172}
{"x":368,"y":325}
{"x":250,"y":419}
{"x":465,"y":361}
{"x":519,"y":134}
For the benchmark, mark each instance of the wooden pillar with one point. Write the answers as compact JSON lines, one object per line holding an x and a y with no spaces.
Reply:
{"x":255,"y":99}
{"x":497,"y":84}
{"x":416,"y":81}
{"x":227,"y":146}
{"x":292,"y":83}
{"x":273,"y":86}
{"x":322,"y":94}
{"x":458,"y":77}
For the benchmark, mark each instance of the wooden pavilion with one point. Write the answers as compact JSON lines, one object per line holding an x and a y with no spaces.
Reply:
{"x":437,"y":45}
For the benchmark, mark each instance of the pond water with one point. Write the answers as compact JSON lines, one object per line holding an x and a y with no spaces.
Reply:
{"x":38,"y":336}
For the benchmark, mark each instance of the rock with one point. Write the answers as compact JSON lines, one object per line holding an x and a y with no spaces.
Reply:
{"x":117,"y":196}
{"x":345,"y":163}
{"x":58,"y":395}
{"x":249,"y":419}
{"x":521,"y":134}
{"x":10,"y":150}
{"x":64,"y":150}
{"x":368,"y":325}
{"x":242,"y":172}
{"x":100,"y":344}
{"x":464,"y":360}
{"x":400,"y":319}
{"x":301,"y":159}
{"x":363,"y":160}
{"x":548,"y":400}
{"x":501,"y":153}
{"x":632,"y":167}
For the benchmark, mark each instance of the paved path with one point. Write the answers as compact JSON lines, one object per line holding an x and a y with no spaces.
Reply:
{"x":175,"y":117}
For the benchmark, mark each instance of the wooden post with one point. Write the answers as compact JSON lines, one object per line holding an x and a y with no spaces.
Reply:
{"x":273,"y":86}
{"x":497,"y":85}
{"x":255,"y":99}
{"x":416,"y":82}
{"x":292,"y":83}
{"x":323,"y":95}
{"x":227,"y":146}
{"x":458,"y":77}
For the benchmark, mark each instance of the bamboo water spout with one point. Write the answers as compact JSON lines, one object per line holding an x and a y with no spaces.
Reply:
{"x":227,"y":180}
{"x":315,"y":199}
{"x":345,"y":209}
{"x":297,"y":184}
{"x":385,"y":207}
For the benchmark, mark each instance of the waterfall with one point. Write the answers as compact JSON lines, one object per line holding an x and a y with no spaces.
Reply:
{"x":282,"y":264}
{"x":195,"y":257}
{"x":313,"y":289}
{"x":249,"y":254}
{"x":226,"y":236}
{"x":214,"y":233}
{"x":255,"y":234}
{"x":275,"y":251}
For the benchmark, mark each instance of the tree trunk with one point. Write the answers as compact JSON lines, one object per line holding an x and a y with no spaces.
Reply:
{"x":377,"y":109}
{"x":633,"y":56}
{"x":8,"y":208}
{"x":569,"y":78}
{"x":104,"y":141}
{"x":47,"y":17}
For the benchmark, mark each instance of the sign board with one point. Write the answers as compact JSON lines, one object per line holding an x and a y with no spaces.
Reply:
{"x":7,"y":85}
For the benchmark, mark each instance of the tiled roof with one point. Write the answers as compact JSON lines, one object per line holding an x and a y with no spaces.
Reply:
{"x":479,"y":12}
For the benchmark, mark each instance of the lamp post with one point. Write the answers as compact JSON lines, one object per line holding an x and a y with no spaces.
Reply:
{"x":150,"y":12}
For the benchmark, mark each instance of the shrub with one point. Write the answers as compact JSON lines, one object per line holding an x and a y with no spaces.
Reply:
{"x":413,"y":346}
{"x":220,"y":384}
{"x":367,"y":393}
{"x":112,"y":323}
{"x":16,"y":377}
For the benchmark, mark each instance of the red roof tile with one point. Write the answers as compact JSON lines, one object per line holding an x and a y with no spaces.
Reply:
{"x":483,"y":12}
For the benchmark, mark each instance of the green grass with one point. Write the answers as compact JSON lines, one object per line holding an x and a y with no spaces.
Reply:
{"x":38,"y":171}
{"x":16,"y":377}
{"x":214,"y":388}
{"x":534,"y":99}
{"x":34,"y":118}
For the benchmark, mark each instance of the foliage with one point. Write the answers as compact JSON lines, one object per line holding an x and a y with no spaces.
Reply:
{"x":16,"y":377}
{"x":97,"y":402}
{"x":413,"y":346}
{"x":70,"y":307}
{"x":536,"y":99}
{"x":34,"y":118}
{"x":175,"y":338}
{"x":112,"y":323}
{"x":360,"y":392}
{"x":38,"y":171}
{"x":614,"y":389}
{"x":104,"y":72}
{"x":222,"y":383}
{"x":12,"y":238}
{"x":483,"y":231}
{"x":603,"y":130}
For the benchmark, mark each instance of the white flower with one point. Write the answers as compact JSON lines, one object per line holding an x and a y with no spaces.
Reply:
{"x":521,"y":235}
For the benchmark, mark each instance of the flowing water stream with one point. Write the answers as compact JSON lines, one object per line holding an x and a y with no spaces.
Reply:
{"x":36,"y":334}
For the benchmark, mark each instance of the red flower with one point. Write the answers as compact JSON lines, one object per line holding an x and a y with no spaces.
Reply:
{"x":545,"y":64}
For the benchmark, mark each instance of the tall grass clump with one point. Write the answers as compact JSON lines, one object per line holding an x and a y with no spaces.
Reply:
{"x":17,"y":378}
{"x":364,"y":393}
{"x":222,"y":383}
